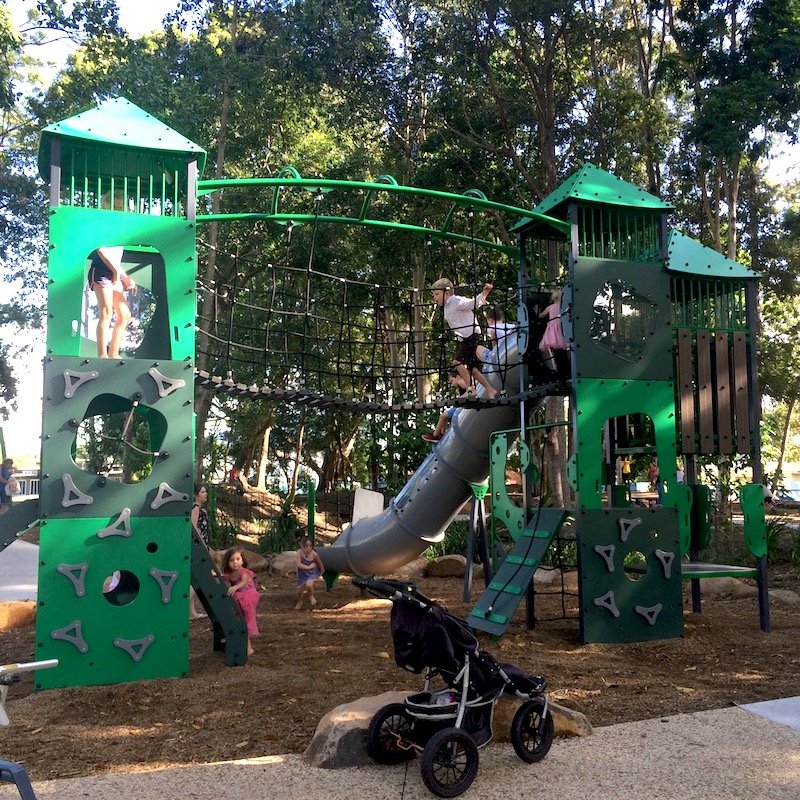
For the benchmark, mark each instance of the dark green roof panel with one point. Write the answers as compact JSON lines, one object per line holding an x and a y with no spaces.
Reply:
{"x":118,"y":123}
{"x":590,"y":184}
{"x":689,"y":257}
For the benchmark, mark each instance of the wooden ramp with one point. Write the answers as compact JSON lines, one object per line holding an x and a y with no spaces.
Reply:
{"x":496,"y":606}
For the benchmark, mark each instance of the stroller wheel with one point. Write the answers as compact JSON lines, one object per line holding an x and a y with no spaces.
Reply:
{"x":387,"y":728}
{"x":532,"y":734}
{"x":449,"y":762}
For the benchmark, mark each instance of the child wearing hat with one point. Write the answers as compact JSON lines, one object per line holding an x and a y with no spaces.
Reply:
{"x":459,"y":313}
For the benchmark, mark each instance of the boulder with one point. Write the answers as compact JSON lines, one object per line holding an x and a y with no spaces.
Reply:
{"x":17,"y":614}
{"x":414,"y":569}
{"x":340,"y":738}
{"x":450,"y":566}
{"x":566,"y":721}
{"x":544,"y":577}
{"x":284,"y":562}
{"x":724,"y":587}
{"x":786,"y":596}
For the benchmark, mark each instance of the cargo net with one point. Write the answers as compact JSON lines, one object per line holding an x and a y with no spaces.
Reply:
{"x":300,"y":335}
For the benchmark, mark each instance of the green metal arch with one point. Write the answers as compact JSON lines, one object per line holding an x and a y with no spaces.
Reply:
{"x":289,"y":178}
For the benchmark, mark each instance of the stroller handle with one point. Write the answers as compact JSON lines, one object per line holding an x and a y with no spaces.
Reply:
{"x":388,"y":589}
{"x":393,"y":590}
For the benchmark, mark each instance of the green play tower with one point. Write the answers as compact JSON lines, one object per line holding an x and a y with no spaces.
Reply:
{"x":662,"y":340}
{"x":115,"y":548}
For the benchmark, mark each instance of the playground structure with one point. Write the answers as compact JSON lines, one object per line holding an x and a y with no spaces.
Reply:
{"x":662,"y":341}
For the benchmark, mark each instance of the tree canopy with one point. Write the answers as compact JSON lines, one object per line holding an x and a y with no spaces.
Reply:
{"x":688,"y":101}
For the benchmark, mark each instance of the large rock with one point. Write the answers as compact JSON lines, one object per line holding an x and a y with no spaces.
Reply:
{"x":417,"y":568}
{"x":17,"y":614}
{"x":785,"y":596}
{"x":566,"y":721}
{"x":449,"y":566}
{"x":340,"y":738}
{"x":285,"y":562}
{"x":726,"y":587}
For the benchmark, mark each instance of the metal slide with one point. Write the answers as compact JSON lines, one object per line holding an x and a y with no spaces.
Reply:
{"x":435,"y":493}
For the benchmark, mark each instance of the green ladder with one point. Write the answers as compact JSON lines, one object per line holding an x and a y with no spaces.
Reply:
{"x":496,"y":606}
{"x":230,"y":630}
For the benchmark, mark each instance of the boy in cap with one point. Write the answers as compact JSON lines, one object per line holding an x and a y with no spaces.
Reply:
{"x":459,"y":313}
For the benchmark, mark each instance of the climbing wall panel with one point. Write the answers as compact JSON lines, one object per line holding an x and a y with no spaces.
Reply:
{"x":113,"y":600}
{"x":630,"y":580}
{"x":114,"y":555}
{"x":77,"y":389}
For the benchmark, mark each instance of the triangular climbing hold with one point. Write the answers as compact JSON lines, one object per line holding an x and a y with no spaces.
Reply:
{"x":166,"y":386}
{"x":73,"y":634}
{"x":606,"y":552}
{"x":77,"y":574}
{"x":607,"y":602}
{"x":626,"y":526}
{"x":135,"y":648}
{"x":166,"y":581}
{"x":166,"y":494}
{"x":121,"y":526}
{"x":74,"y":380}
{"x":666,"y":559}
{"x":72,"y":495}
{"x":649,"y":613}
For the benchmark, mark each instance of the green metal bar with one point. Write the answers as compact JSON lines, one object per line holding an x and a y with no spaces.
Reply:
{"x":204,"y":187}
{"x":375,"y":223}
{"x":72,"y":178}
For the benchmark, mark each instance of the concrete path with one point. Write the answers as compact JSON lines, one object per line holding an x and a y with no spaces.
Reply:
{"x":19,"y":565}
{"x":728,"y":754}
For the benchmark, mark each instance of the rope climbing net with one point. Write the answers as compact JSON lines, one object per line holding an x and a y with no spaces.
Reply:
{"x":308,"y":328}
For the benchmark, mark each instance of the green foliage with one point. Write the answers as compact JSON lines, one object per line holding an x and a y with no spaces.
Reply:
{"x":454,"y":542}
{"x":282,"y":534}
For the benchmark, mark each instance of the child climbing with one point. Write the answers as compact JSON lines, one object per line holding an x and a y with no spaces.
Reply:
{"x":553,"y":339}
{"x":446,"y":417}
{"x":459,"y":313}
{"x":109,"y":282}
{"x":242,"y":588}
{"x":309,"y":568}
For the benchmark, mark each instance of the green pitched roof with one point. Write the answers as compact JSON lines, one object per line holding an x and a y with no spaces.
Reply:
{"x":590,"y":184}
{"x":690,"y":257}
{"x":119,"y":124}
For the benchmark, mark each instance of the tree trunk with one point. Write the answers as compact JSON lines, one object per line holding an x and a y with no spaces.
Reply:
{"x":203,"y":398}
{"x":301,"y":430}
{"x":263,"y":460}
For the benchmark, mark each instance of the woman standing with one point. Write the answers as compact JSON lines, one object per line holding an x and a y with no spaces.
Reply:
{"x":199,"y":517}
{"x":6,"y":470}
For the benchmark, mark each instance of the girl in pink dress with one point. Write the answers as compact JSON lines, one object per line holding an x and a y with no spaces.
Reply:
{"x":242,"y":588}
{"x":552,"y":339}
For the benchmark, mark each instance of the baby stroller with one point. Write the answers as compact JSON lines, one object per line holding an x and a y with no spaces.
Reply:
{"x":447,"y":726}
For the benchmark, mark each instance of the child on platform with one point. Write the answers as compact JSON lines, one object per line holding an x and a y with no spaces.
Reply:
{"x":459,"y":313}
{"x":553,"y":339}
{"x":309,"y":568}
{"x":242,"y":588}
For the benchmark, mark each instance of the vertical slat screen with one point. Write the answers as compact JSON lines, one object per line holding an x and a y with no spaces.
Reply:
{"x":722,"y":377}
{"x":686,"y":389}
{"x":741,"y":389}
{"x":705,"y":392}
